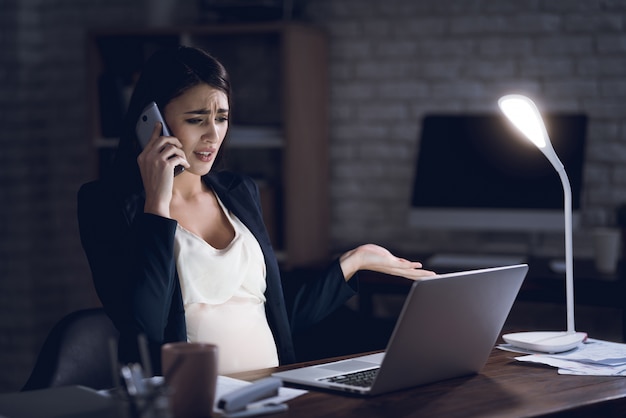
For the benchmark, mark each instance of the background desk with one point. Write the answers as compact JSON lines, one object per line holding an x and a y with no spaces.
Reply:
{"x":505,"y":388}
{"x":541,"y":285}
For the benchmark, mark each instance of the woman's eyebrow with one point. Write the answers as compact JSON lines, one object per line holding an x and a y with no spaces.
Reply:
{"x":204,"y":111}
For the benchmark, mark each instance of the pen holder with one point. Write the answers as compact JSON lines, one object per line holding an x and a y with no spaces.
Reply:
{"x":154,"y":403}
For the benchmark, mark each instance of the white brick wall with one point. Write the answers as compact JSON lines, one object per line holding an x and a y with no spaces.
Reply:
{"x":44,"y":157}
{"x":394,"y":61}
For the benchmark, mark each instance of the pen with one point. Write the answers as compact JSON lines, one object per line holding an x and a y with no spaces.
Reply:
{"x":137,"y":376}
{"x":131,"y":389}
{"x":142,"y":342}
{"x":115,"y":368}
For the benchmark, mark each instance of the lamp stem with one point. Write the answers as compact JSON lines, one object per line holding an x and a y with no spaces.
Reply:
{"x":569,"y":256}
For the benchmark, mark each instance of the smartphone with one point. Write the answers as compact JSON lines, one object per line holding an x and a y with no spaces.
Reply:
{"x":145,"y":125}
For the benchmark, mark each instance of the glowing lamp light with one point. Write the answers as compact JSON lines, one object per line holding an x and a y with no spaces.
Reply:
{"x":524,"y":115}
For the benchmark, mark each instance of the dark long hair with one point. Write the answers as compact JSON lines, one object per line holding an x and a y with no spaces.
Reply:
{"x":167,"y":74}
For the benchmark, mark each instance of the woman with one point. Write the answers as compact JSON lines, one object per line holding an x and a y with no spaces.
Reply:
{"x":187,"y":257}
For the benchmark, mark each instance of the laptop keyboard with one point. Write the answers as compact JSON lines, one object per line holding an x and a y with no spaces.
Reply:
{"x":363,"y":378}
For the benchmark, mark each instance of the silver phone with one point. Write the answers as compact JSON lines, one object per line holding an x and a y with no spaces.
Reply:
{"x":145,"y":125}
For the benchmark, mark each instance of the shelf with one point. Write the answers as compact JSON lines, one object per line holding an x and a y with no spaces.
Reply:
{"x":105,"y":143}
{"x":255,"y":137}
{"x":279,"y":115}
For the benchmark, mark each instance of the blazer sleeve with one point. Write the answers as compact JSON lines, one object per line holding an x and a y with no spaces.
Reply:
{"x":132,"y":263}
{"x":313,"y":296}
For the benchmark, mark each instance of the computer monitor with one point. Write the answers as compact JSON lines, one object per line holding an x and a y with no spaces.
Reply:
{"x":477,"y":172}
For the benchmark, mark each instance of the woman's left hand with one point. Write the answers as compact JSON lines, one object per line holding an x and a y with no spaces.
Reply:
{"x":376,"y":258}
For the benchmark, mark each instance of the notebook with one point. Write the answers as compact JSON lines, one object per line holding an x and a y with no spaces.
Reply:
{"x":60,"y":402}
{"x":447,"y":328}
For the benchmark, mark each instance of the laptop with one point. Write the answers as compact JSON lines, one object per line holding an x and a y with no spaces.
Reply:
{"x":447,"y":328}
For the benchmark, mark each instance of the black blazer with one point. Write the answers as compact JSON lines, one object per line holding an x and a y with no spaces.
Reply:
{"x":131,"y":256}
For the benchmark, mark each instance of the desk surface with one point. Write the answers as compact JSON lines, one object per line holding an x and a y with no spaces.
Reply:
{"x":504,"y":388}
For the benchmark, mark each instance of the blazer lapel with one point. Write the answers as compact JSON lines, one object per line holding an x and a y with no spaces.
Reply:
{"x":238,"y":198}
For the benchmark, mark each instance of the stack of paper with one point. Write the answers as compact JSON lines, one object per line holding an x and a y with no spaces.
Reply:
{"x":592,"y":358}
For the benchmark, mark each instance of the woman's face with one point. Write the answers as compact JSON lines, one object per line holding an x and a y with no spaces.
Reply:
{"x":199,"y":119}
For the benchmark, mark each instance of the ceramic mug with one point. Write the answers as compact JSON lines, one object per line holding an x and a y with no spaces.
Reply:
{"x":606,"y":246}
{"x":190,"y":370}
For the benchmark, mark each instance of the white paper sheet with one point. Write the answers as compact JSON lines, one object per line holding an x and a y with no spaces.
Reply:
{"x":592,"y":358}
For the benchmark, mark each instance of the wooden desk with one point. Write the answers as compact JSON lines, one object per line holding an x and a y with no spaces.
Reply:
{"x":541,"y":285}
{"x":504,"y":388}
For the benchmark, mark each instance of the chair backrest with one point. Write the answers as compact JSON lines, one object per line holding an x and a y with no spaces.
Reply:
{"x":76,"y":352}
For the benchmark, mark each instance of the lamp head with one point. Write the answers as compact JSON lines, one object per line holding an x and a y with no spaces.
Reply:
{"x":525,"y":116}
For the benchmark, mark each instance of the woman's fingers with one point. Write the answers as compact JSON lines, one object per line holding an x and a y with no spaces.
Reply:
{"x":413,"y":274}
{"x":174,"y":155}
{"x":164,"y":148}
{"x":156,"y":132}
{"x":377,"y":258}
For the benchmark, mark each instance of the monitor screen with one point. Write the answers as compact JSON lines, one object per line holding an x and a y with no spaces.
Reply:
{"x":477,"y":171}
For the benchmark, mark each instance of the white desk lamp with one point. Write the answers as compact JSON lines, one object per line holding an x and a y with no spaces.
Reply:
{"x":523,"y":113}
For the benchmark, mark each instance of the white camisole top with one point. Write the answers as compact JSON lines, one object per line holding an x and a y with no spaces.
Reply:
{"x":223,"y":295}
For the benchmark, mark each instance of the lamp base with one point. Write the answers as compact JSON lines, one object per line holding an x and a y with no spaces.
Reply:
{"x":546,"y":341}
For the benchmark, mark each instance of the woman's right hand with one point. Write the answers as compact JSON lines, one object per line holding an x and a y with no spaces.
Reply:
{"x":156,"y":164}
{"x":376,"y":258}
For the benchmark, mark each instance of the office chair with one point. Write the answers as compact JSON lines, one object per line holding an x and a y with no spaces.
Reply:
{"x":76,"y":352}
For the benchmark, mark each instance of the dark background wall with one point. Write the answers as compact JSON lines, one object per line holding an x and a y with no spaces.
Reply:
{"x":391,"y":62}
{"x":394,"y":61}
{"x":45,"y":156}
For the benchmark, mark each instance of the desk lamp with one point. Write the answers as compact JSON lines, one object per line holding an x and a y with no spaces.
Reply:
{"x":524,"y":115}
